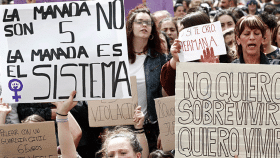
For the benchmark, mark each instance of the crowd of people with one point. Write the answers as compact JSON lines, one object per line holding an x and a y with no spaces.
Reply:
{"x":251,"y":34}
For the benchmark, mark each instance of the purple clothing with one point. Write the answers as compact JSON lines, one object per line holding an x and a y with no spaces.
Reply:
{"x":156,"y":5}
{"x":130,"y":4}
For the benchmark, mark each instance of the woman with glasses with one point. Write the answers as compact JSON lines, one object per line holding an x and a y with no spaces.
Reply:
{"x":146,"y":59}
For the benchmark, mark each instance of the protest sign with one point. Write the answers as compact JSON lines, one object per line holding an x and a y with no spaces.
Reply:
{"x":49,"y":50}
{"x":197,"y":38}
{"x":113,"y":112}
{"x":224,"y":110}
{"x":28,"y":140}
{"x":166,"y":120}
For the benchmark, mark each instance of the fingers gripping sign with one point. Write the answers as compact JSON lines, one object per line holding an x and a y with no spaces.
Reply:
{"x":209,"y":56}
{"x":138,"y":118}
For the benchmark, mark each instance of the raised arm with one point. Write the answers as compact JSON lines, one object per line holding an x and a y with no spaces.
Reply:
{"x":4,"y":110}
{"x":66,"y":142}
{"x":139,"y":122}
{"x":175,"y":49}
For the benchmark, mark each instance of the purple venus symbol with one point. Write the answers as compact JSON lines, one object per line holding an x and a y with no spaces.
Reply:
{"x":15,"y":85}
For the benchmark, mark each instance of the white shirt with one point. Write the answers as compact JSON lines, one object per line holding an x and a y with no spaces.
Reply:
{"x":137,"y":69}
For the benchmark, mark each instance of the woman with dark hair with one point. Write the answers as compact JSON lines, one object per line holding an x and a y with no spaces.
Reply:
{"x":276,"y":36}
{"x":250,"y":33}
{"x":238,"y":13}
{"x":179,"y":10}
{"x":168,"y":71}
{"x":146,"y":59}
{"x":169,"y":26}
{"x":252,"y":7}
{"x":226,"y":18}
{"x":270,"y":23}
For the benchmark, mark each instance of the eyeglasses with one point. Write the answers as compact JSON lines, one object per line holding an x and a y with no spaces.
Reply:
{"x":141,"y":22}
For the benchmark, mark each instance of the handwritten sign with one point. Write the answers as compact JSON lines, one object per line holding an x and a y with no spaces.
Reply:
{"x":197,"y":38}
{"x":113,"y":112}
{"x":28,"y":140}
{"x":224,"y":110}
{"x":166,"y":120}
{"x":48,"y":50}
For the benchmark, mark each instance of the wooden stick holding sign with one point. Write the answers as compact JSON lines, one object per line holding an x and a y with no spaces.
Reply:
{"x":113,"y":112}
{"x":166,"y":120}
{"x":28,"y":140}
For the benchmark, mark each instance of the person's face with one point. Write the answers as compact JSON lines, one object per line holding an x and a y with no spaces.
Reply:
{"x":169,"y":28}
{"x":224,"y":4}
{"x":278,"y":38}
{"x":142,"y":26}
{"x":179,"y":12}
{"x":226,"y":22}
{"x":121,"y":148}
{"x":250,"y":41}
{"x":267,"y":37}
{"x":185,"y":4}
{"x":230,"y":41}
{"x":252,"y":7}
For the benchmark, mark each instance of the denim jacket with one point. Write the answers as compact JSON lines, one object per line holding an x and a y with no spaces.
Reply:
{"x":152,"y":68}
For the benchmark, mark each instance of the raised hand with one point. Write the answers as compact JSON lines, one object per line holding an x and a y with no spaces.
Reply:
{"x":208,"y":56}
{"x":5,"y":108}
{"x":138,"y":118}
{"x":175,"y":49}
{"x":63,"y":107}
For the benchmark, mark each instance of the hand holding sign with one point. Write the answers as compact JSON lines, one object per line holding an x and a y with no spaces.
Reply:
{"x":175,"y":49}
{"x":209,"y":56}
{"x":138,"y":118}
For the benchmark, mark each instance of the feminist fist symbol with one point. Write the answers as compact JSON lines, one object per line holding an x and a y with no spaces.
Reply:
{"x":15,"y":85}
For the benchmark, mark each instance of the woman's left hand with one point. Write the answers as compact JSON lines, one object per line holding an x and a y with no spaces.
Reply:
{"x":138,"y":118}
{"x":208,"y":56}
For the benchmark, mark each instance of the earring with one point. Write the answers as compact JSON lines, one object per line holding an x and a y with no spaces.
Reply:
{"x":151,"y":37}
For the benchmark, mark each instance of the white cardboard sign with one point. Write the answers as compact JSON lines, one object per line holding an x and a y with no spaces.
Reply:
{"x":51,"y":49}
{"x":223,"y":110}
{"x":197,"y":38}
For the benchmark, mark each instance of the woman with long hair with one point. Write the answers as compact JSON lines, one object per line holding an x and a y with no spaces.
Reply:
{"x":146,"y":59}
